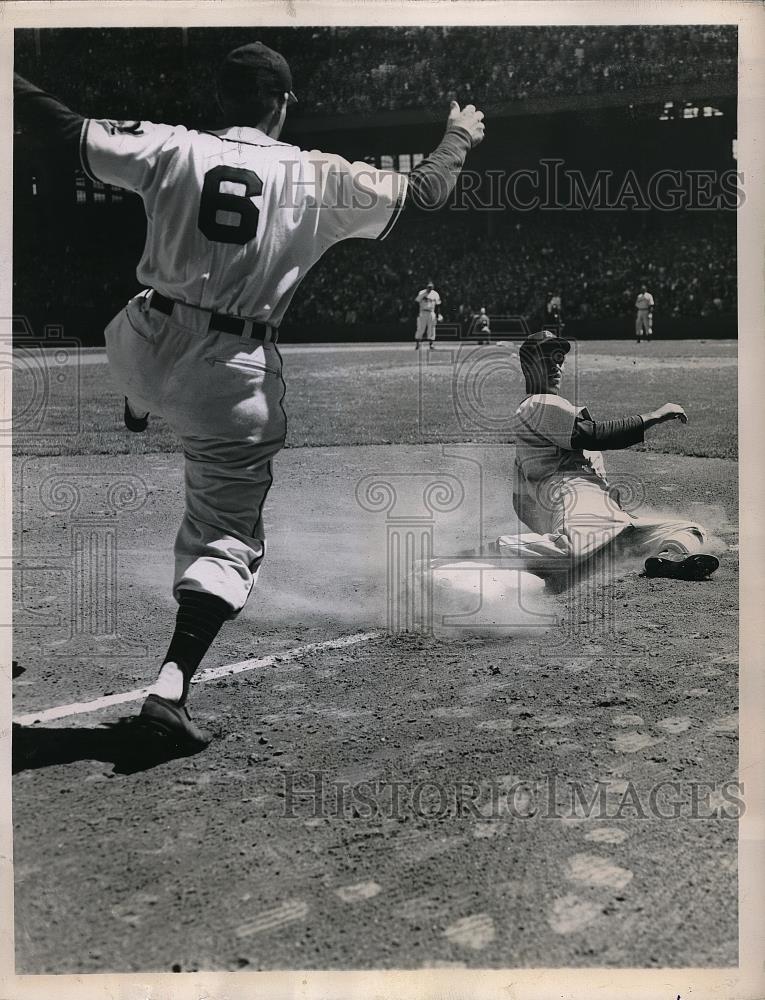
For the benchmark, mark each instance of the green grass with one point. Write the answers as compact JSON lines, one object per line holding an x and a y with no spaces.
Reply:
{"x":399,"y":397}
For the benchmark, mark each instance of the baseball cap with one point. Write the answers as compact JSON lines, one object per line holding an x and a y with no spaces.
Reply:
{"x":538,"y":344}
{"x":255,"y":65}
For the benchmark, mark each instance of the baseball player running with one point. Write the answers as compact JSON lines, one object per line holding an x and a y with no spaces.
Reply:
{"x":644,"y":319}
{"x":429,"y":302}
{"x":560,"y":490}
{"x":235,"y":219}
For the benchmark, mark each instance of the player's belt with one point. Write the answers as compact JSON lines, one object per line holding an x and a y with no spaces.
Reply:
{"x":219,"y":322}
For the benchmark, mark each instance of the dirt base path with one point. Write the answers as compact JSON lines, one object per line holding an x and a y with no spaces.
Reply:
{"x":534,"y":799}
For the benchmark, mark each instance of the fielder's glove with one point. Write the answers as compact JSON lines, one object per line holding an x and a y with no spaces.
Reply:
{"x":439,"y":318}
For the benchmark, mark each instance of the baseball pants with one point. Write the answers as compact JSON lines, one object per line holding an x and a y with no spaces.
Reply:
{"x":586,"y":521}
{"x":426,"y":327}
{"x":643,"y":324}
{"x":646,"y":535}
{"x":222,"y":395}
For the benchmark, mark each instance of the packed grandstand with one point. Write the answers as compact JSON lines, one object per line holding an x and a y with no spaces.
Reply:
{"x":342,"y":70}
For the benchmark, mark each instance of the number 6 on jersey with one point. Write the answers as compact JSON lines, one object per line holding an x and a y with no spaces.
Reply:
{"x":214,"y":202}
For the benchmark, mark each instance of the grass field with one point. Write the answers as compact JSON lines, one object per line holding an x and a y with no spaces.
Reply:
{"x":346,"y":397}
{"x":128,"y":862}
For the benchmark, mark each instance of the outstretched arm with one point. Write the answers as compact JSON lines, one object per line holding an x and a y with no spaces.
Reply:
{"x":610,"y":435}
{"x":49,"y":119}
{"x":432,"y":180}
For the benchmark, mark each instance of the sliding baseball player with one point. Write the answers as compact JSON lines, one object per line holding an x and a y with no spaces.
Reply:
{"x":561,"y":493}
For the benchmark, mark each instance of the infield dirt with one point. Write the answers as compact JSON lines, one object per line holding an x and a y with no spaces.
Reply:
{"x":232,"y":859}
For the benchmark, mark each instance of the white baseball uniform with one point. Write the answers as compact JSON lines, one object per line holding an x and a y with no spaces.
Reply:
{"x":428,"y":300}
{"x":644,"y":320}
{"x":562,"y":495}
{"x":235,"y":219}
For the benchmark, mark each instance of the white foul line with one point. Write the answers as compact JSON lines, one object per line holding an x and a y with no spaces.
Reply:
{"x":210,"y":674}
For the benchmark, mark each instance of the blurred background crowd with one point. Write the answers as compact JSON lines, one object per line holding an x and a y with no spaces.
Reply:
{"x":689,"y":267}
{"x":342,"y":70}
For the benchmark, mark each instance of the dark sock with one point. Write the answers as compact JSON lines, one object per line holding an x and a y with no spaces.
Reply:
{"x":200,"y":617}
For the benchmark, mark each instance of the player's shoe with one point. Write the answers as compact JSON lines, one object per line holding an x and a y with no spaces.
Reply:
{"x":133,"y":423}
{"x":171,"y":720}
{"x":699,"y":566}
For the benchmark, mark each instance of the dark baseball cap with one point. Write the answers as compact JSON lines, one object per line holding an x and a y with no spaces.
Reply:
{"x":540,"y":344}
{"x":255,"y":66}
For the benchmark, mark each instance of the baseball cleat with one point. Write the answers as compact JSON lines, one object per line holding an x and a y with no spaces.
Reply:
{"x":696,"y":567}
{"x":168,"y":719}
{"x":135,"y":424}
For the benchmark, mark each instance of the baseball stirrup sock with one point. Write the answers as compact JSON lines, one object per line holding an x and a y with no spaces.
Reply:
{"x":200,"y":617}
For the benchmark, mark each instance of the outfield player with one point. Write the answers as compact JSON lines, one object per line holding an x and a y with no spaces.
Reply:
{"x":235,"y":219}
{"x":482,"y":327}
{"x":561,"y":493}
{"x":554,"y":309}
{"x":644,"y":319}
{"x":428,"y":302}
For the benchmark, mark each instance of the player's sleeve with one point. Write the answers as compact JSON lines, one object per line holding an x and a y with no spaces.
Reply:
{"x":607,"y":435}
{"x":52,"y":122}
{"x":356,"y":199}
{"x":438,"y":299}
{"x":550,"y":418}
{"x":125,"y":154}
{"x":433,"y":179}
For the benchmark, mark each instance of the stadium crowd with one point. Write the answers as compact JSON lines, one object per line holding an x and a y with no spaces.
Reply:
{"x":168,"y":74}
{"x":690,"y":269}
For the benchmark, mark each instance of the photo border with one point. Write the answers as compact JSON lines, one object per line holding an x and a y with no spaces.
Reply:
{"x":746,"y":981}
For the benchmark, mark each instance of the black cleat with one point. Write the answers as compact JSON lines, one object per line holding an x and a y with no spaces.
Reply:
{"x":135,"y":424}
{"x":696,"y":567}
{"x":168,"y":719}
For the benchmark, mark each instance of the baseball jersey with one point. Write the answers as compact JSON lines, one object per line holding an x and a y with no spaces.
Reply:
{"x":482,"y":322}
{"x":429,"y":300}
{"x":644,"y":301}
{"x":542,"y":428}
{"x":235,"y":218}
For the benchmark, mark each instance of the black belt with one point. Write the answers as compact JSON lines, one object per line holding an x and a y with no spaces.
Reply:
{"x":219,"y":322}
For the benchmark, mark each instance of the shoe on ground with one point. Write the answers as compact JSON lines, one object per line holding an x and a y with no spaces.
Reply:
{"x":135,"y":424}
{"x":696,"y":567}
{"x":168,"y":719}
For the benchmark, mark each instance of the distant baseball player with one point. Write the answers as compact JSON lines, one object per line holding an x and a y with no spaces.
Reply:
{"x":235,"y":220}
{"x":429,"y":302}
{"x":561,"y":493}
{"x":482,"y":327}
{"x":554,"y":309}
{"x":644,"y":319}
